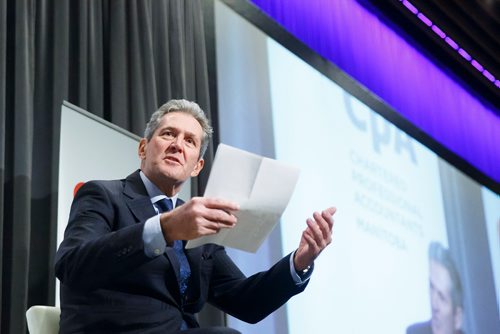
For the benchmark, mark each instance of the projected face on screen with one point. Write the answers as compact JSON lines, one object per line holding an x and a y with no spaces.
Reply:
{"x":445,"y":292}
{"x":445,"y":316}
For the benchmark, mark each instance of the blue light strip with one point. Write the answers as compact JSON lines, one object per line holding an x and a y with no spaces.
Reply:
{"x":345,"y":32}
{"x":450,"y":42}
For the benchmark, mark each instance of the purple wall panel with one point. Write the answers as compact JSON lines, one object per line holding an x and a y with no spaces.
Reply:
{"x":371,"y":52}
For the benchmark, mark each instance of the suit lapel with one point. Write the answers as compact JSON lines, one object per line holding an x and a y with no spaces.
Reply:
{"x":136,"y":197}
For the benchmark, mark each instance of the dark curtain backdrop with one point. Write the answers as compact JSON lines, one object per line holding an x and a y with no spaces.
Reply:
{"x":117,"y":59}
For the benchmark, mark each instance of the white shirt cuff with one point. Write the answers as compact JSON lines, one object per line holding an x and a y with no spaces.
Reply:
{"x":154,"y":243}
{"x":296,"y":278}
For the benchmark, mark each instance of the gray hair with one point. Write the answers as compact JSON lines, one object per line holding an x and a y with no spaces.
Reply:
{"x":185,"y":106}
{"x":442,"y":256}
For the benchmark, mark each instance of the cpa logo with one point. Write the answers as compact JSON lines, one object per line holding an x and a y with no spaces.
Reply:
{"x":384,"y":134}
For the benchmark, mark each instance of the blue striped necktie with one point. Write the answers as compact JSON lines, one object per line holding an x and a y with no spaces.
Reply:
{"x":164,"y":205}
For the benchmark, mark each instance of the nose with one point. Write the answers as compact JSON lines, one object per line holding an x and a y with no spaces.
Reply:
{"x":177,"y":144}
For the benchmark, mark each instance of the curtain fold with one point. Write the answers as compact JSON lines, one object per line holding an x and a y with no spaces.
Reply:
{"x":117,"y":59}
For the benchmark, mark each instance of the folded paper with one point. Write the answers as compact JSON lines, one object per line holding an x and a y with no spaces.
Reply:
{"x":261,"y":186}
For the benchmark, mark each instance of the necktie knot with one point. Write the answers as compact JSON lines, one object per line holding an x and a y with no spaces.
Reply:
{"x":165,"y":204}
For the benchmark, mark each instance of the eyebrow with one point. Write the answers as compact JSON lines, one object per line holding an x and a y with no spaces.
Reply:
{"x":188,"y":133}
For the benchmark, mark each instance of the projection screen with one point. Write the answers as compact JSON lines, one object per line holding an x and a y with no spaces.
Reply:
{"x":395,"y":197}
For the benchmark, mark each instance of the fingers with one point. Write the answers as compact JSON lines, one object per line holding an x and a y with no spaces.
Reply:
{"x":220,"y":204}
{"x":331,"y":210}
{"x":323,"y":223}
{"x":327,"y":215}
{"x":311,"y":241}
{"x":215,"y":211}
{"x":219,"y":211}
{"x":318,"y":233}
{"x":320,"y":225}
{"x":211,"y":228}
{"x":320,"y":237}
{"x":197,"y":217}
{"x":210,"y":215}
{"x":221,"y":218}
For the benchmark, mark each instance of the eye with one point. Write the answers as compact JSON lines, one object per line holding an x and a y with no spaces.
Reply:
{"x":190,"y":141}
{"x":167,"y":134}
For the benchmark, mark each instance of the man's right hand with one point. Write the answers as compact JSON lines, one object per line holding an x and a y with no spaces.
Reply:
{"x":198,"y":217}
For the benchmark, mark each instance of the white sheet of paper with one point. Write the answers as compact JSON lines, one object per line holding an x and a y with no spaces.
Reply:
{"x":261,"y":186}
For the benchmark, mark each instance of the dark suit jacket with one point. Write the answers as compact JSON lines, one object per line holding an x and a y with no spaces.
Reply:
{"x":420,"y":328}
{"x":109,"y":285}
{"x":423,"y":328}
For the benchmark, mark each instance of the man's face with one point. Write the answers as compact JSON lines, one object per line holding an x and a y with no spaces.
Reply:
{"x":446,"y":318}
{"x":171,"y":156}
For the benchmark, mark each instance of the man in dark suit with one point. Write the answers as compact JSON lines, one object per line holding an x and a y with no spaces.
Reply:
{"x":122,"y":264}
{"x":445,"y":295}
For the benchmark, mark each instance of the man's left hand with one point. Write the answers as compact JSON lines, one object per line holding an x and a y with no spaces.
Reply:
{"x":315,"y":238}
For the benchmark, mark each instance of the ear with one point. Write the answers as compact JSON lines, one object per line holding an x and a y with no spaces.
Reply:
{"x":141,"y":151}
{"x":197,"y":169}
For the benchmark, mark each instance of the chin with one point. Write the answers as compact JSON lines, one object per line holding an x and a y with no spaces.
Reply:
{"x":178,"y":177}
